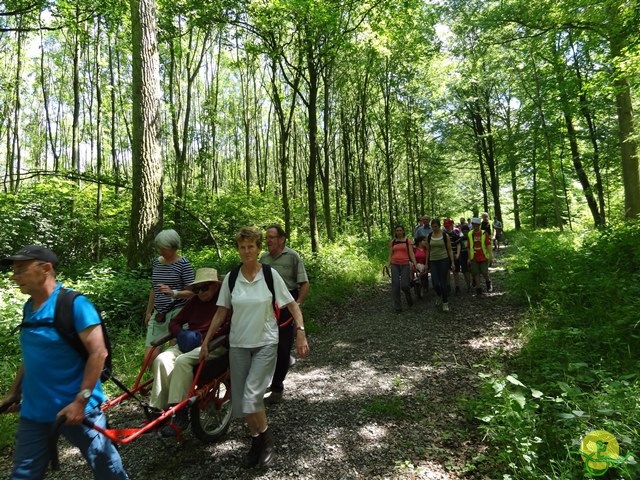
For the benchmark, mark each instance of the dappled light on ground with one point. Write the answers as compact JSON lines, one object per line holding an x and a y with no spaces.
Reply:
{"x":382,"y":396}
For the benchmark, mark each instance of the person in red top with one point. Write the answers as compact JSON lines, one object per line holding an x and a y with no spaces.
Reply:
{"x":421,"y":252}
{"x":173,"y":368}
{"x":401,"y":258}
{"x":480,"y":255}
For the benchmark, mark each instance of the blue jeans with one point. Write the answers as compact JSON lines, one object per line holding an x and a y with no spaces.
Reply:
{"x":32,"y":455}
{"x":440,"y":277}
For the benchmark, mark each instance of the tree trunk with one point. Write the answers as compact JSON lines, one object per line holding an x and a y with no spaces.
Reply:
{"x":113,"y":120}
{"x":385,"y":133}
{"x":628,"y":141}
{"x":573,"y":141}
{"x":49,"y":139}
{"x":284,"y":128}
{"x":146,"y":208}
{"x":213,"y":120}
{"x":346,"y":160}
{"x":548,"y":150}
{"x":98,"y":137}
{"x":325,"y":176}
{"x":577,"y":164}
{"x":16,"y":148}
{"x":75,"y":128}
{"x":312,"y":107}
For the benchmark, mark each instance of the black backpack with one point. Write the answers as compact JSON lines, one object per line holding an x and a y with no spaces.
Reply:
{"x":268,"y":277}
{"x":63,"y":323}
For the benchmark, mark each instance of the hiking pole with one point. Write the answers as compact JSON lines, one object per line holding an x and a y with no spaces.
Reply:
{"x":54,"y":434}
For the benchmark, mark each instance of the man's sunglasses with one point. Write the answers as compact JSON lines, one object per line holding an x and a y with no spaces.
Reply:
{"x":201,"y":288}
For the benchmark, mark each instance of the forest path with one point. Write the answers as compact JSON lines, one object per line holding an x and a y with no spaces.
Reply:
{"x":382,"y":395}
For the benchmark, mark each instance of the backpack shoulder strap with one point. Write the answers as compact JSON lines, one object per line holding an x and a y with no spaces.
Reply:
{"x":63,"y":320}
{"x":233,"y":276}
{"x":268,"y":277}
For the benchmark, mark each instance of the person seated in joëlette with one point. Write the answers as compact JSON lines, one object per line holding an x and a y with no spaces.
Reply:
{"x":173,"y":368}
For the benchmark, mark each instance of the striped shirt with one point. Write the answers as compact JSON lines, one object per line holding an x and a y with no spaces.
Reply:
{"x":176,"y":275}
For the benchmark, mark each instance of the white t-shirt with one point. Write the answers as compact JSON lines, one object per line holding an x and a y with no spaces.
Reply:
{"x":253,"y":323}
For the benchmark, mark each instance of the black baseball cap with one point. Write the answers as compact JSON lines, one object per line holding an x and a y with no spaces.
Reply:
{"x":33,"y":252}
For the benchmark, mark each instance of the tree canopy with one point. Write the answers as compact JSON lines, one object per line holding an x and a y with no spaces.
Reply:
{"x":354,"y":115}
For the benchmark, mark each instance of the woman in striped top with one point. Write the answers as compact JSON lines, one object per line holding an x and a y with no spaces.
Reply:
{"x":171,"y":273}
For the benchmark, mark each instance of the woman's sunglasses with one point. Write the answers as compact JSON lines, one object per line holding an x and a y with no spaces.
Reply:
{"x":201,"y":288}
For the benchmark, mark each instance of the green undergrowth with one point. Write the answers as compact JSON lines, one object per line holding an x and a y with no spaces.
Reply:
{"x":340,"y":271}
{"x":577,"y":370}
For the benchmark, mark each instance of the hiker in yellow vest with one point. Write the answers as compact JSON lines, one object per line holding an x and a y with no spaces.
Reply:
{"x":480,"y":255}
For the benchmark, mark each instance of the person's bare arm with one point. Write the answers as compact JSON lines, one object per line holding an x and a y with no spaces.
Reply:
{"x":216,"y":322}
{"x":93,"y":341}
{"x":303,"y":291}
{"x":302,"y":347}
{"x":10,"y":403}
{"x":149,"y":311}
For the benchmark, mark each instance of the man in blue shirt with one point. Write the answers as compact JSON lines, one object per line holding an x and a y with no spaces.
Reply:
{"x":424,"y":229}
{"x":54,"y":380}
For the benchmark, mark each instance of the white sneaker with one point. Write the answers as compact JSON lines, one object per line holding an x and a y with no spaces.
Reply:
{"x":445,"y":307}
{"x":438,"y":302}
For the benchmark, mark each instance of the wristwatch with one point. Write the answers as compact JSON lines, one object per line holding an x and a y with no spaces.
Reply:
{"x":84,"y":394}
{"x":299,"y":329}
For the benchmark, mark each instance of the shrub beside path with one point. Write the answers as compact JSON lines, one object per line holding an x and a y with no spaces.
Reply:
{"x":382,"y":396}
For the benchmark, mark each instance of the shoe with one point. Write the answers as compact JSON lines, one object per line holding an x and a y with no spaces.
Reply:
{"x":265,"y":455}
{"x":438,"y":302}
{"x":180,"y":420}
{"x":478,"y":292}
{"x":489,"y":287}
{"x":252,"y":457}
{"x":152,"y":414}
{"x":275,"y":397}
{"x":445,"y":307}
{"x":292,"y":360}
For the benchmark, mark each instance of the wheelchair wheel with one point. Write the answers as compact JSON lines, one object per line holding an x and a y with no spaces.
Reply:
{"x":210,"y":417}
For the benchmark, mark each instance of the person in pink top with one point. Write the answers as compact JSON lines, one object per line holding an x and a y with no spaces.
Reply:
{"x":401,"y":257}
{"x":421,"y":252}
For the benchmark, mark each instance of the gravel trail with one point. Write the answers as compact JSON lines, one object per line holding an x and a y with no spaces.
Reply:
{"x":382,"y":396}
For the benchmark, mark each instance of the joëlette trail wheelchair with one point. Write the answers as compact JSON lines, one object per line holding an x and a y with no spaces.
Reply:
{"x":208,"y":400}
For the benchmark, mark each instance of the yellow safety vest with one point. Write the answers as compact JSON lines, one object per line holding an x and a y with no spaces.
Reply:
{"x":485,"y":251}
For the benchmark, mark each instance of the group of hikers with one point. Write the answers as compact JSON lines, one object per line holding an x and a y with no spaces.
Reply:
{"x":445,"y":252}
{"x":55,"y":380}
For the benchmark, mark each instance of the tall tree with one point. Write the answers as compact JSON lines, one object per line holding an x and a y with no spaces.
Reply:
{"x":147,"y":201}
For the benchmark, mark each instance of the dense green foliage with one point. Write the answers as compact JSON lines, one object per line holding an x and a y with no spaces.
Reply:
{"x":350,"y":113}
{"x":121,"y":294}
{"x":577,"y":370}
